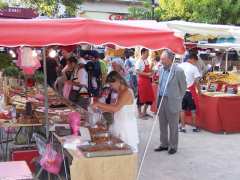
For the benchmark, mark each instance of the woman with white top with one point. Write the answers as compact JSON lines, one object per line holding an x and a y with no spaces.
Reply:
{"x":125,"y":122}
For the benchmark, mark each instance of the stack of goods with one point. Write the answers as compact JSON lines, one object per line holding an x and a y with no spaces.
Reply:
{"x":227,"y":78}
{"x":221,"y":82}
{"x":104,"y":144}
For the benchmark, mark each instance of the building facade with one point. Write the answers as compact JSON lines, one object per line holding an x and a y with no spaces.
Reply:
{"x":107,"y":9}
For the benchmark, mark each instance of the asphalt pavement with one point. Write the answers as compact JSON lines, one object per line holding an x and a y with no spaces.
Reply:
{"x":201,"y":156}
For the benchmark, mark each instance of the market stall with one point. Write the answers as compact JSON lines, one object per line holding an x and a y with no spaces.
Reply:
{"x":219,"y":113}
{"x":107,"y":153}
{"x":224,"y":98}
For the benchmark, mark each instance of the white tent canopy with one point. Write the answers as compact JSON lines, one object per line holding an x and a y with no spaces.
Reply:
{"x":224,"y":46}
{"x":151,"y":24}
{"x":204,"y":29}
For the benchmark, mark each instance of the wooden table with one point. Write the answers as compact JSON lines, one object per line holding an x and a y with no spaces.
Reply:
{"x":102,"y":168}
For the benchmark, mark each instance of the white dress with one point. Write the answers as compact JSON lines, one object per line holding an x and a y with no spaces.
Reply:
{"x":125,"y":126}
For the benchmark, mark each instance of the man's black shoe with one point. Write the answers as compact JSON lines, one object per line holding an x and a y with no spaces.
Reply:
{"x":160,"y":148}
{"x":196,"y":130}
{"x":172,"y":151}
{"x":182,"y":130}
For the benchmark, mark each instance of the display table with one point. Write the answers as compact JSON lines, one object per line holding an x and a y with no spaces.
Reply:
{"x":108,"y":168}
{"x":220,"y":114}
{"x":15,"y":170}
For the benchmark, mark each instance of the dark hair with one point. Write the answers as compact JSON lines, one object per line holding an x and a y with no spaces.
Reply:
{"x":72,"y":60}
{"x":143,"y":50}
{"x":157,"y":59}
{"x":95,"y":54}
{"x":114,"y":76}
{"x":192,"y":56}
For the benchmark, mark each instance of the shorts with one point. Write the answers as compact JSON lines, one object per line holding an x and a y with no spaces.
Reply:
{"x":143,"y":103}
{"x":188,"y":103}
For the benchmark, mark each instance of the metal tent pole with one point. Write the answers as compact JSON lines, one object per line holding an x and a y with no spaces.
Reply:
{"x":226,"y":62}
{"x":45,"y":92}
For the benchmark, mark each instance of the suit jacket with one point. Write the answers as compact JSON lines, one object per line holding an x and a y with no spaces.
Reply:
{"x":176,"y":88}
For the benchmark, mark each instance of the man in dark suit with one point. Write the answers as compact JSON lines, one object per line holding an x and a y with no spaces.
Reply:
{"x":172,"y":87}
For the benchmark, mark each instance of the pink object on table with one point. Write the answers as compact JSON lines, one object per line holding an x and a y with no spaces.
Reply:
{"x":39,"y":97}
{"x":74,"y":121}
{"x":13,"y":170}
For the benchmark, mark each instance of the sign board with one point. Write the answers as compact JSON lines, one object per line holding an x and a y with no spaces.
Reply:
{"x":19,"y":13}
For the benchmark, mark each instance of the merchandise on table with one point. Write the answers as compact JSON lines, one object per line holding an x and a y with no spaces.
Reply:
{"x":228,"y":78}
{"x":226,"y":83}
{"x":102,"y":150}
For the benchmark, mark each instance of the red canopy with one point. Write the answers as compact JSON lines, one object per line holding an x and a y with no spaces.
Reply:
{"x":39,"y":32}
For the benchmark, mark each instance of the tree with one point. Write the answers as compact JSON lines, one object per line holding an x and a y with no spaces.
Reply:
{"x":144,"y":12}
{"x":207,"y":11}
{"x":51,"y":7}
{"x":3,"y":4}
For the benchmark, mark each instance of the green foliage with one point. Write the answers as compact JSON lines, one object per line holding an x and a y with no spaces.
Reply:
{"x":50,"y":7}
{"x":144,"y":12}
{"x":39,"y":77}
{"x":5,"y":60}
{"x":206,"y":11}
{"x":3,"y":4}
{"x":11,"y":71}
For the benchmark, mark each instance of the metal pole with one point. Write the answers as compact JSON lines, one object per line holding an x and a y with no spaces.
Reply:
{"x":45,"y":92}
{"x":226,"y":63}
{"x":153,"y":9}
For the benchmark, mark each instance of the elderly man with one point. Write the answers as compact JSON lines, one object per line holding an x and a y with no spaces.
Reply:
{"x":172,"y":87}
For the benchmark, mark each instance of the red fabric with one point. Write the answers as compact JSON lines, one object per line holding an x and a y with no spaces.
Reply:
{"x":69,"y":49}
{"x":27,"y":155}
{"x":145,"y":91}
{"x":154,"y":104}
{"x":209,"y":118}
{"x":45,"y":32}
{"x":228,"y":109}
{"x":219,"y":114}
{"x":195,"y":97}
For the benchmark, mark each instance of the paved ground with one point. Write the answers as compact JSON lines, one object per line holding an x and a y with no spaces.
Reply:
{"x":201,"y":156}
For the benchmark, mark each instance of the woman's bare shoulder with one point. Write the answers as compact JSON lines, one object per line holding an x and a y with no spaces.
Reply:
{"x":128,"y":95}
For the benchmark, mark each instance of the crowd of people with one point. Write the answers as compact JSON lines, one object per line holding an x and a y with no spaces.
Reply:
{"x":79,"y":75}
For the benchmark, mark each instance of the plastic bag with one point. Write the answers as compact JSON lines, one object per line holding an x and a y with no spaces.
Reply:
{"x":95,"y":115}
{"x":51,"y":160}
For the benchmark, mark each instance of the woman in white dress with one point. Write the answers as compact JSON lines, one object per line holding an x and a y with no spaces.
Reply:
{"x":125,"y":122}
